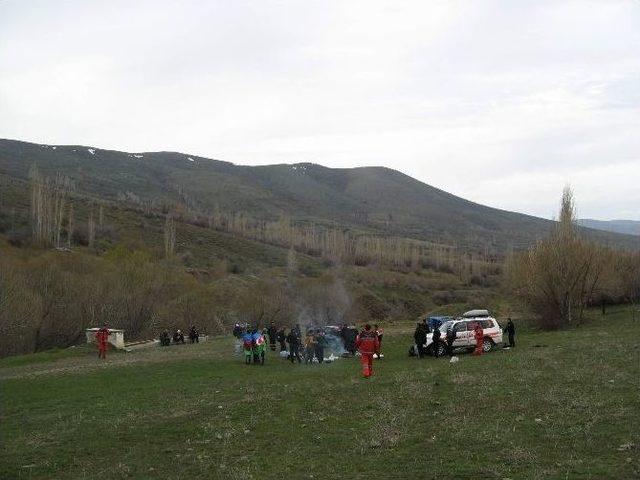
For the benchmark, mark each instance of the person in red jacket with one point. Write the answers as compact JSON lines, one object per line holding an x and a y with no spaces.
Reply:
{"x":479,"y":336}
{"x":367,"y":344}
{"x":102,"y":339}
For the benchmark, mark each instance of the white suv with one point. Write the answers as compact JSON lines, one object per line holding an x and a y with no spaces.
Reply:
{"x":464,"y":328}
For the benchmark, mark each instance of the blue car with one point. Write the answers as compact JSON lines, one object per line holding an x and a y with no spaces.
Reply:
{"x":435,"y":321}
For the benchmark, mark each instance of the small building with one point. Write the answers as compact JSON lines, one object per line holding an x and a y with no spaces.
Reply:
{"x":116,"y":337}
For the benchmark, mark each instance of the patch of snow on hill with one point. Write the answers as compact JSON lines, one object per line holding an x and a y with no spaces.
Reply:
{"x":138,"y":156}
{"x":53,"y":148}
{"x":190,"y":159}
{"x":91,"y":151}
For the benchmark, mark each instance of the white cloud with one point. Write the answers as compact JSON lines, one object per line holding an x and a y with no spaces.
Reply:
{"x":499,"y":102}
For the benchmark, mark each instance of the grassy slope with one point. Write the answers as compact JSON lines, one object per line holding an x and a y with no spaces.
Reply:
{"x":183,"y":412}
{"x":203,"y":246}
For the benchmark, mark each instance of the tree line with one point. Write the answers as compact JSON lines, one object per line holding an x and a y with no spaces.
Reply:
{"x":346,"y":246}
{"x":563,"y":274}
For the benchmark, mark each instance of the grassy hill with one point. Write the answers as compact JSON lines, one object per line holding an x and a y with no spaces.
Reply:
{"x":373,"y":198}
{"x":627,"y":227}
{"x":559,"y":405}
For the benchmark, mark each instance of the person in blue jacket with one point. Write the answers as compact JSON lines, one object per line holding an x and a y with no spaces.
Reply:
{"x":247,"y":346}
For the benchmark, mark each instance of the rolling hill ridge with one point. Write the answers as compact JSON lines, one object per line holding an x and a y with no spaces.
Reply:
{"x":627,"y":227}
{"x":375,"y":199}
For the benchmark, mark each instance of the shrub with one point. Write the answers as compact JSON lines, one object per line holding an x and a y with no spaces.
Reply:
{"x":20,"y":237}
{"x":235,"y":268}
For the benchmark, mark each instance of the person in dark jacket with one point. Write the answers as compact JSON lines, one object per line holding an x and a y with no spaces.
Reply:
{"x":194,"y":336}
{"x":353,"y":336}
{"x":294,"y":340}
{"x":282,"y":340}
{"x":420,"y":337}
{"x":451,"y":338}
{"x":511,"y":331}
{"x":435,"y":346}
{"x":178,"y":336}
{"x":237,"y":330}
{"x":165,"y":339}
{"x":427,"y":327}
{"x":349,"y":335}
{"x":272,"y":332}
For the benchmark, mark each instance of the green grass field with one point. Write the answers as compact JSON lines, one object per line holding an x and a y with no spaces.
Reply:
{"x":561,"y":405}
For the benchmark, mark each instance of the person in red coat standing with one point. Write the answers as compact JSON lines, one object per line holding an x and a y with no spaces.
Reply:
{"x":102,"y":339}
{"x":479,"y":336}
{"x":367,"y":344}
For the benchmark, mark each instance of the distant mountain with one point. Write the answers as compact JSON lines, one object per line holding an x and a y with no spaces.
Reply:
{"x":375,"y":199}
{"x":628,"y":227}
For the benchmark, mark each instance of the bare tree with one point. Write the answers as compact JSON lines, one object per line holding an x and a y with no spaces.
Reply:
{"x":558,"y":276}
{"x":101,"y":216}
{"x":91,"y":227}
{"x":169,"y":236}
{"x":48,"y":202}
{"x":70,"y":226}
{"x":629,"y":278}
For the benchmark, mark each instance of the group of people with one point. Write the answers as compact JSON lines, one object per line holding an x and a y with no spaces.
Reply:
{"x":422,"y":329}
{"x":254,"y":346}
{"x":313,"y":346}
{"x":367,"y":343}
{"x":310,"y":348}
{"x":420,"y":337}
{"x":178,"y":337}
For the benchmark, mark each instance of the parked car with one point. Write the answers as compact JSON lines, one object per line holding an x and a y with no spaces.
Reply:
{"x":436,"y":321}
{"x":464,"y":328}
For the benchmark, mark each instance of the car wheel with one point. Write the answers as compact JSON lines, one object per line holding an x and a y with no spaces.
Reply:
{"x":442,"y":349}
{"x":487,"y":345}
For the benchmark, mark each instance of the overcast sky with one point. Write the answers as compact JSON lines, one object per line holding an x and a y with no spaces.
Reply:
{"x":502,"y":103}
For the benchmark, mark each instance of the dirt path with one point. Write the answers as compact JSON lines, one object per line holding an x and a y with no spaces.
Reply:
{"x":89,"y":362}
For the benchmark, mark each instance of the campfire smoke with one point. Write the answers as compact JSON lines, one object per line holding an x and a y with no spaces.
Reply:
{"x":324,"y":306}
